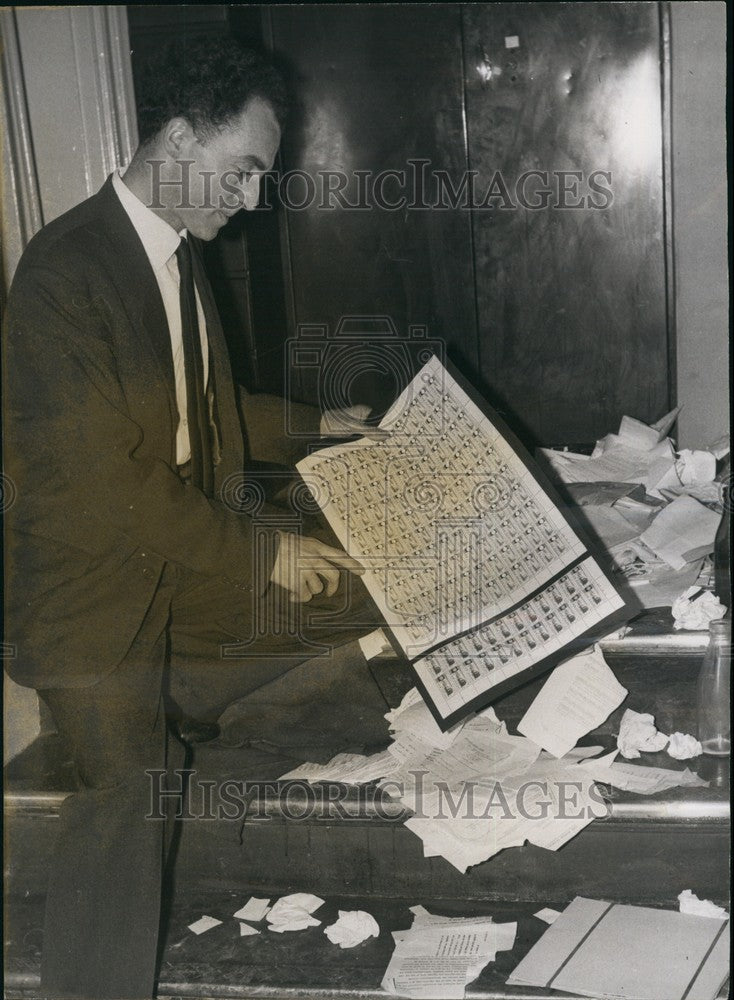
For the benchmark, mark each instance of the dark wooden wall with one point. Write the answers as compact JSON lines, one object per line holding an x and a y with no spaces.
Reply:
{"x":560,"y":314}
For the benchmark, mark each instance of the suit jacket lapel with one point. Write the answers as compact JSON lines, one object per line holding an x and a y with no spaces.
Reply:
{"x":138,"y":288}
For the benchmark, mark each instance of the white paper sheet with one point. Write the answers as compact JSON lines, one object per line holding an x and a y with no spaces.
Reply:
{"x":681,"y":528}
{"x":579,"y":695}
{"x":203,"y":924}
{"x":254,"y":909}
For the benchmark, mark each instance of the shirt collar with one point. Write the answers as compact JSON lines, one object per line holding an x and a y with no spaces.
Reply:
{"x":159,"y":240}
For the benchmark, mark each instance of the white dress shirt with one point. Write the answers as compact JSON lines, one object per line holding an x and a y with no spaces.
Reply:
{"x":160,"y":243}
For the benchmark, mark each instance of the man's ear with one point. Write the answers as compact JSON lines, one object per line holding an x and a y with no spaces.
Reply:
{"x":178,"y":136}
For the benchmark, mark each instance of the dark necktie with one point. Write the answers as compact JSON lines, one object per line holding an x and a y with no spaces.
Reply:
{"x":202,"y":470}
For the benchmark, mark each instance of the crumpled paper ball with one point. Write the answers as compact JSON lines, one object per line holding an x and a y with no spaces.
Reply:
{"x":682,"y":746}
{"x":637,"y":732}
{"x":694,"y":609}
{"x":352,"y":928}
{"x":293,"y":913}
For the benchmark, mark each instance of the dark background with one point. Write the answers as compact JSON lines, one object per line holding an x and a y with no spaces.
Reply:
{"x":562,"y":317}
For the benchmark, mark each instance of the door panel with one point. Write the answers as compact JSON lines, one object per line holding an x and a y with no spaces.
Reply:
{"x":573,"y":330}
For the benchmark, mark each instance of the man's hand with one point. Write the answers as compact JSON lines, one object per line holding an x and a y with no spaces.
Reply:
{"x":349,"y":421}
{"x":305,"y":566}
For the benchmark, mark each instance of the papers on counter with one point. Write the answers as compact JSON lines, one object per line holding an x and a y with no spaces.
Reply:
{"x":681,"y":532}
{"x":438,"y":956}
{"x":579,"y":695}
{"x":642,"y":780}
{"x":600,"y":949}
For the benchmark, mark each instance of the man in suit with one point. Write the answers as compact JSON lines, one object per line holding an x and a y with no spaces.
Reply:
{"x":129,"y":560}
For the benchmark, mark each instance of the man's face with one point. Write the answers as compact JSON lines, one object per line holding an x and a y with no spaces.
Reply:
{"x":216,"y":177}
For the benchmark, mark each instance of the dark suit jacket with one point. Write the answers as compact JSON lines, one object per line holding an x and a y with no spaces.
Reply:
{"x":90,"y":422}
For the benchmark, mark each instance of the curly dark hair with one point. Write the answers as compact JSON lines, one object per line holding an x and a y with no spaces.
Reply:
{"x":206,"y":80}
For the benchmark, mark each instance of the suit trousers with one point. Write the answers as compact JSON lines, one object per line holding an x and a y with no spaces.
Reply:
{"x":202,"y":645}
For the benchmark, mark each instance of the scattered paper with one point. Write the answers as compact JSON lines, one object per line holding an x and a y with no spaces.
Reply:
{"x":637,"y":732}
{"x":695,"y":467}
{"x":547,"y":915}
{"x":681,"y":532}
{"x":247,"y":931}
{"x":348,"y":768}
{"x":293,"y":913}
{"x":374,"y":644}
{"x":640,"y":779}
{"x":352,"y":928}
{"x":683,"y":747}
{"x":204,"y":924}
{"x":254,"y":909}
{"x":689,"y":902}
{"x":579,"y":695}
{"x":695,"y":608}
{"x":600,"y":949}
{"x":438,"y":956}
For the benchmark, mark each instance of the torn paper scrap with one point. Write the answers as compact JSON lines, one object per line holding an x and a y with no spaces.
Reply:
{"x":681,"y":531}
{"x":579,"y":696}
{"x":637,"y":732}
{"x":374,"y":644}
{"x":695,"y":608}
{"x":547,"y":915}
{"x":682,"y":746}
{"x":689,"y":902}
{"x":352,"y":928}
{"x":348,"y":768}
{"x":695,"y":467}
{"x":204,"y":924}
{"x":293,"y":913}
{"x":642,"y":780}
{"x":254,"y":909}
{"x":247,"y":931}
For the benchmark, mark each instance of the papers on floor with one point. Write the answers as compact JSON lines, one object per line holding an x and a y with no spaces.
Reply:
{"x":253,"y":910}
{"x":688,"y":902}
{"x":695,"y":608}
{"x":548,"y":915}
{"x":247,"y":931}
{"x":352,"y":928}
{"x":579,"y":696}
{"x":204,"y":923}
{"x":439,"y":956}
{"x":294,"y":912}
{"x":600,"y":949}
